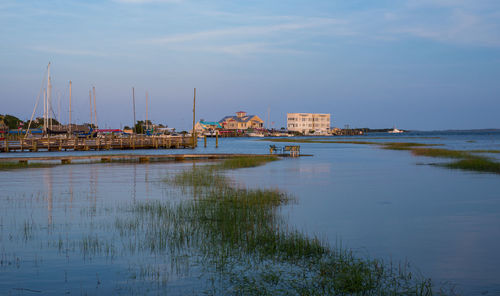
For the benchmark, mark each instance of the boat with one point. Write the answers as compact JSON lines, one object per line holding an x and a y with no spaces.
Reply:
{"x":260,"y":135}
{"x":395,"y":131}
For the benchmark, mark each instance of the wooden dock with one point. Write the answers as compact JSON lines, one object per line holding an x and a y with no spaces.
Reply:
{"x":105,"y":143}
{"x":67,"y":159}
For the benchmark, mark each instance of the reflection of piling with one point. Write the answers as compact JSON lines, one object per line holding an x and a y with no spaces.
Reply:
{"x":205,"y":141}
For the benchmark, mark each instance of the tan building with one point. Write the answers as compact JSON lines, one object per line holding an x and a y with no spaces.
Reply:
{"x":241,"y":121}
{"x":308,"y":123}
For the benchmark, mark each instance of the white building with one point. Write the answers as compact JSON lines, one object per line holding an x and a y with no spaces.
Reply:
{"x":308,"y":123}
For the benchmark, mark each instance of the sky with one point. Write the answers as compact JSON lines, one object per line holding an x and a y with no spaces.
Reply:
{"x":412,"y":64}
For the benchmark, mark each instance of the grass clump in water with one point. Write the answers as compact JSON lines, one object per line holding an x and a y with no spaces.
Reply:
{"x":245,"y":162}
{"x":442,"y":153}
{"x":248,"y":248}
{"x":466,"y":159}
{"x":475,"y":164}
{"x":23,"y":165}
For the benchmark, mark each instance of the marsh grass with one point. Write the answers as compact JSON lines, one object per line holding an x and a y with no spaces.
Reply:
{"x":17,"y":165}
{"x":475,"y":164}
{"x":485,"y":151}
{"x":464,"y":159}
{"x":246,"y":246}
{"x":442,"y":153}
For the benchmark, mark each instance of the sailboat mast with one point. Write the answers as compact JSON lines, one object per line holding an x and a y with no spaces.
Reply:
{"x":133,"y":106}
{"x":46,"y":101}
{"x":194,"y":116}
{"x":147,"y":125}
{"x":95,"y":108}
{"x":45,"y":110}
{"x":49,"y":97}
{"x":91,"y":115}
{"x":69,"y":124}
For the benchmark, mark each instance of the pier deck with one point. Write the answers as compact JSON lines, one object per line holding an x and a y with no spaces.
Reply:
{"x":105,"y":143}
{"x":66,"y":159}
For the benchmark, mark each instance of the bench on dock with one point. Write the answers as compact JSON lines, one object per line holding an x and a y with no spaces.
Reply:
{"x":293,"y":150}
{"x":273,"y":149}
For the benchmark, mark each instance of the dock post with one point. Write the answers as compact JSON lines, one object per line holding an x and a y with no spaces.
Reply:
{"x":60,"y":144}
{"x":35,"y":148}
{"x":205,"y":141}
{"x":216,"y":140}
{"x":6,"y":145}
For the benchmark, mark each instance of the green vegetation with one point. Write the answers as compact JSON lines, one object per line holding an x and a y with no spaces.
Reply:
{"x":10,"y":121}
{"x":18,"y":165}
{"x":475,"y":164}
{"x":315,"y":140}
{"x":246,"y":247}
{"x":485,"y":151}
{"x":404,"y":146}
{"x":245,"y":162}
{"x":466,"y":159}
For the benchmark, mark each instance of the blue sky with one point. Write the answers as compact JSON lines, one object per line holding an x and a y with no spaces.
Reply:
{"x":415,"y":64}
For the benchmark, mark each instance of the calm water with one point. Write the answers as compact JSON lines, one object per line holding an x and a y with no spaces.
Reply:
{"x":59,"y":233}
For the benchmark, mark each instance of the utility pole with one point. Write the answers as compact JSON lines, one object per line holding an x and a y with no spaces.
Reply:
{"x":194,"y":113}
{"x":268,"y":116}
{"x":147,"y":124}
{"x":133,"y":104}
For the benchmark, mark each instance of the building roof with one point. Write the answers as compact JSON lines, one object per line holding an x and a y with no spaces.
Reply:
{"x":211,"y":123}
{"x":238,"y":119}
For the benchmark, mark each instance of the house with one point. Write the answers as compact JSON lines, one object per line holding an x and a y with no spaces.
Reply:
{"x":206,"y":126}
{"x":241,"y":121}
{"x":308,"y":123}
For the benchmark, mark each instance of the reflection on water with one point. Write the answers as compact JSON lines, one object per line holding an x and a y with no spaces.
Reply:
{"x":58,"y":232}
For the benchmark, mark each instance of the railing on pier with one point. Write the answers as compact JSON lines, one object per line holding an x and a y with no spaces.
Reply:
{"x":109,"y":142}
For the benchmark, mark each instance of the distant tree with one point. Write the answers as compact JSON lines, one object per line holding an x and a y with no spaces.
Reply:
{"x":139,"y":127}
{"x":10,"y":121}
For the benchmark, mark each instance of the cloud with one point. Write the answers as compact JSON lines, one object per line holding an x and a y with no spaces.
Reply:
{"x":252,"y":39}
{"x":455,"y":22}
{"x":243,"y":31}
{"x":69,"y":51}
{"x":147,"y":1}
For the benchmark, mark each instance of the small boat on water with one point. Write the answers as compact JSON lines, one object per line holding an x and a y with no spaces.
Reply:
{"x":395,"y":131}
{"x":260,"y":135}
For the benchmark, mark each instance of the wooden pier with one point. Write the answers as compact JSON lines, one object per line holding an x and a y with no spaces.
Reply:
{"x":67,"y":159}
{"x":101,"y":143}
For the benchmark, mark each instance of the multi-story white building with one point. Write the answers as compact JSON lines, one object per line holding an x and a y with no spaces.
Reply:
{"x":308,"y":123}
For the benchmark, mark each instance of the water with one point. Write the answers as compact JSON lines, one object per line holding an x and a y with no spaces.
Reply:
{"x":58,"y":229}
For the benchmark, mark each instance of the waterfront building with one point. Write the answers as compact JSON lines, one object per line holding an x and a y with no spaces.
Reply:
{"x":308,"y":123}
{"x":206,"y":126}
{"x":241,"y":121}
